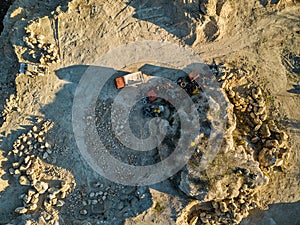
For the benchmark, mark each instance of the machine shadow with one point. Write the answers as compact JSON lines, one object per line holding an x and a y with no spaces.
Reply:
{"x":295,"y":89}
{"x":293,"y":126}
{"x":279,"y":213}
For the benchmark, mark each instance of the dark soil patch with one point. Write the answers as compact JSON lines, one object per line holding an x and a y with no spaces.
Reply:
{"x":3,"y":9}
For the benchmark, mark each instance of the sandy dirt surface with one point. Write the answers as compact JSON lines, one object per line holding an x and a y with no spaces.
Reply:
{"x":44,"y":179}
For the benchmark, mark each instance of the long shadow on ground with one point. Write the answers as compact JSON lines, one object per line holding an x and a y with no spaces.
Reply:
{"x":176,"y":17}
{"x":277,"y":214}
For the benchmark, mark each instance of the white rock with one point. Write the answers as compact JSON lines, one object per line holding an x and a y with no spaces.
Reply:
{"x":63,"y":194}
{"x":41,"y":187}
{"x":45,"y":155}
{"x":35,"y":128}
{"x":92,"y":194}
{"x":40,"y":37}
{"x":47,"y":145}
{"x":21,"y":210}
{"x":51,"y":196}
{"x":83,"y":212}
{"x":24,"y":181}
{"x":31,"y":192}
{"x":94,"y":202}
{"x":27,"y":158}
{"x":60,"y":203}
{"x":27,"y":199}
{"x":33,"y":207}
{"x":35,"y":199}
{"x":11,"y":171}
{"x":84,"y":203}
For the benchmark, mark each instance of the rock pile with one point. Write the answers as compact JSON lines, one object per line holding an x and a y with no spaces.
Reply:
{"x":40,"y":48}
{"x":228,"y":210}
{"x":270,"y":143}
{"x":257,"y":138}
{"x":47,"y":186}
{"x":10,"y":106}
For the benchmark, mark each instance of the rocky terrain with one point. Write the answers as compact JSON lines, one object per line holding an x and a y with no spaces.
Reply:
{"x":249,"y":51}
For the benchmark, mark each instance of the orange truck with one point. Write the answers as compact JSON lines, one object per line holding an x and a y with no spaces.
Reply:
{"x":131,"y":79}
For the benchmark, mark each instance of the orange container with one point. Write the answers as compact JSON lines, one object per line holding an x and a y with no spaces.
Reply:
{"x":120,"y":82}
{"x":193,"y":76}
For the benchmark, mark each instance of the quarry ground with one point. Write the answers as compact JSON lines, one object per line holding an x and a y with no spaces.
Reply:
{"x":259,"y":38}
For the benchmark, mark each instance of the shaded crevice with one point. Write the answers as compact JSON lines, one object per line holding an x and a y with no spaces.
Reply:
{"x":5,"y":4}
